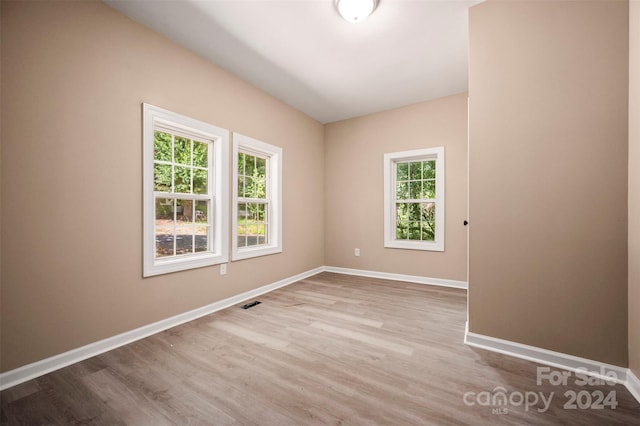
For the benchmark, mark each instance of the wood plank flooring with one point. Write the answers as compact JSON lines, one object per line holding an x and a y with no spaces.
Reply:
{"x":331,"y":349}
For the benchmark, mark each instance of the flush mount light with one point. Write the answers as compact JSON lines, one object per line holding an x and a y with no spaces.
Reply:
{"x":355,"y":10}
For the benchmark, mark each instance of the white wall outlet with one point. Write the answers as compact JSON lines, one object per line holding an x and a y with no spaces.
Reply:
{"x":223,"y":269}
{"x":357,"y":252}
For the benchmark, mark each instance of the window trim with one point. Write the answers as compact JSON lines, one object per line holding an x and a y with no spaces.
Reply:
{"x":274,"y":182}
{"x":390,"y":159}
{"x":218,"y":190}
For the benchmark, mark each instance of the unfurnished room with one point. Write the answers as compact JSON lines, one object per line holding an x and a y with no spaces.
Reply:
{"x":320,"y":212}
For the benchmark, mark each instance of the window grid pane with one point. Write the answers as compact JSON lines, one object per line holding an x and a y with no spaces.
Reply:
{"x":182,"y":226}
{"x":164,"y":228}
{"x":253,"y":223}
{"x":181,"y":168}
{"x":415,"y":200}
{"x":252,"y":176}
{"x":180,"y":164}
{"x":253,"y":203}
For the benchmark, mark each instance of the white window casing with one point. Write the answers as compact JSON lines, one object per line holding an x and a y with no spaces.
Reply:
{"x":394,"y":236}
{"x":211,"y":221}
{"x":268,"y":240}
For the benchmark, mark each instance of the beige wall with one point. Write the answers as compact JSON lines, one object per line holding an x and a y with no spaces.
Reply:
{"x":634,"y":186}
{"x":354,"y":152}
{"x":548,"y":155}
{"x":548,"y":175}
{"x":74,"y":75}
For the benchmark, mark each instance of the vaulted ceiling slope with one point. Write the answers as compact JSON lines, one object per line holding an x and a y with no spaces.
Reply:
{"x":303,"y":53}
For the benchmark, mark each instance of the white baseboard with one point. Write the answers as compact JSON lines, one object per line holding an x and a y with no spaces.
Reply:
{"x":531,"y":353}
{"x":398,"y":277}
{"x":633,"y":384}
{"x":47,"y":365}
{"x":597,"y":369}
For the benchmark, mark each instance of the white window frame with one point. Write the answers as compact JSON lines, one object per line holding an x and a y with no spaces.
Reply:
{"x":218,"y":191}
{"x":253,"y":146}
{"x":390,"y":161}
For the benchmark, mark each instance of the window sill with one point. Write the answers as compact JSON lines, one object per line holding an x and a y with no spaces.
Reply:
{"x":249,"y":252}
{"x":176,"y":264}
{"x":414,"y":245}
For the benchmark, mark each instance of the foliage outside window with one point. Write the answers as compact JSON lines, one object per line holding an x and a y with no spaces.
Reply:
{"x":183,"y":192}
{"x":181,"y":175}
{"x":257,"y":203}
{"x":253,"y":204}
{"x":414,"y":199}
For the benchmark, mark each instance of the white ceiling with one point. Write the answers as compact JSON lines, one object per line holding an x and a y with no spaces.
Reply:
{"x":304,"y":53}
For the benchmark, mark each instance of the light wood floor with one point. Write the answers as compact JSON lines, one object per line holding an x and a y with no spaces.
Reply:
{"x":331,"y":349}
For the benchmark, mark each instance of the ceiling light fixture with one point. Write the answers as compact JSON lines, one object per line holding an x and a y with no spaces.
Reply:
{"x":355,"y":11}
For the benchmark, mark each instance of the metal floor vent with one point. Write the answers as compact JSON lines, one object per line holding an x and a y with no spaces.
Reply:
{"x":251,"y":305}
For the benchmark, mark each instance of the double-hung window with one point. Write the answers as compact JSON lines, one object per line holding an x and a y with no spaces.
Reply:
{"x":414,"y":199}
{"x":185,"y":192}
{"x":257,"y":203}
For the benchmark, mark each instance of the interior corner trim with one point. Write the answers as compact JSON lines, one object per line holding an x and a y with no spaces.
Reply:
{"x":416,"y":279}
{"x":39,"y":368}
{"x":622,"y":375}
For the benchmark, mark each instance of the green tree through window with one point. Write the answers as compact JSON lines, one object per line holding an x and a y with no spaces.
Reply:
{"x":253,"y":202}
{"x":414,"y":195}
{"x":415,"y":200}
{"x":180,"y":175}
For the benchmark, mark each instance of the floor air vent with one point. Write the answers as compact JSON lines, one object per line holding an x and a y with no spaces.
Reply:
{"x":251,"y":305}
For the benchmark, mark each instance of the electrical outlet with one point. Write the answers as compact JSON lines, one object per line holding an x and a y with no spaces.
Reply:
{"x":223,"y":269}
{"x":357,"y":252}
